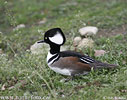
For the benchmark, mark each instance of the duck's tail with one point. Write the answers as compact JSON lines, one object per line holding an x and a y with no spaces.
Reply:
{"x":100,"y":65}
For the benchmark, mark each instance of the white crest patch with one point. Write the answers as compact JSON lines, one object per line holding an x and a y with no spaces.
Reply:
{"x":58,"y":39}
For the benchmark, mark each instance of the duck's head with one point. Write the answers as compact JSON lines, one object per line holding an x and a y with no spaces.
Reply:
{"x":54,"y":36}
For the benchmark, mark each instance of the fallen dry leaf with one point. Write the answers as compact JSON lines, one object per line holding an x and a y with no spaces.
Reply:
{"x":42,"y":21}
{"x":96,"y":83}
{"x":19,"y":27}
{"x":124,"y":62}
{"x":3,"y":87}
{"x":1,"y":51}
{"x":79,"y":87}
{"x":11,"y":87}
{"x":99,"y":53}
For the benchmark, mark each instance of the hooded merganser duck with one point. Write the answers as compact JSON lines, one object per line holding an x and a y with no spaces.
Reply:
{"x":68,"y":62}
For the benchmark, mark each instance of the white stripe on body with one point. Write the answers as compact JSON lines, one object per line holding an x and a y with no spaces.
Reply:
{"x":56,"y":68}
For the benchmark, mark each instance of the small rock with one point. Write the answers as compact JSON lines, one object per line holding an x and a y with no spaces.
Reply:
{"x":99,"y":53}
{"x":86,"y":42}
{"x":64,"y":48}
{"x":76,"y":40}
{"x":19,"y":27}
{"x":39,"y":48}
{"x":88,"y":31}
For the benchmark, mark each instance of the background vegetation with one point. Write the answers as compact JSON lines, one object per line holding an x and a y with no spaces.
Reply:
{"x":25,"y":74}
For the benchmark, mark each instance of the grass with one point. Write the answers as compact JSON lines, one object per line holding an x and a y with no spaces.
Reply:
{"x":24,"y":74}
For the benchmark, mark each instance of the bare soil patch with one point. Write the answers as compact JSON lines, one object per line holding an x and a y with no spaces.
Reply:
{"x":112,"y":32}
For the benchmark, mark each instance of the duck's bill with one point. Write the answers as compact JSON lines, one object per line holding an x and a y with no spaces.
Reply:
{"x":41,"y":41}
